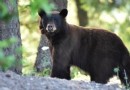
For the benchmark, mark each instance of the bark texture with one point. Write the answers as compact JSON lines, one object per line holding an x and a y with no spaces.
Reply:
{"x":9,"y":29}
{"x":82,"y":14}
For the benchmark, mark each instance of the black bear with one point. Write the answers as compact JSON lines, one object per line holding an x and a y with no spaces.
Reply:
{"x":95,"y":51}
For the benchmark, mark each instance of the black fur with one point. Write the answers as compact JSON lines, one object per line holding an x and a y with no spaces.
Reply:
{"x":96,"y":51}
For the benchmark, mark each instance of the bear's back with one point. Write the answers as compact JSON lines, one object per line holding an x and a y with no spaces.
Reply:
{"x":93,"y":35}
{"x":95,"y":42}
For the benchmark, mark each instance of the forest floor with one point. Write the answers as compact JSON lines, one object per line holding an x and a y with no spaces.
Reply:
{"x":12,"y":81}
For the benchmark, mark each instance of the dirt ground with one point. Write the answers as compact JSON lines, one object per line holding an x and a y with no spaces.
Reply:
{"x":12,"y":81}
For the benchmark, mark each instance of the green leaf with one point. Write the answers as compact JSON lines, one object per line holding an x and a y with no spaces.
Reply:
{"x":1,"y":55}
{"x":3,"y":44}
{"x":12,"y":40}
{"x":35,"y":5}
{"x":6,"y":62}
{"x":3,"y":10}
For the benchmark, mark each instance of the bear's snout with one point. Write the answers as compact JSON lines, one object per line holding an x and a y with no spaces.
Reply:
{"x":51,"y":27}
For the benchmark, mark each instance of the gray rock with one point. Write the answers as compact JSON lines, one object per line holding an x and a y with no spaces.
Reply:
{"x":12,"y":81}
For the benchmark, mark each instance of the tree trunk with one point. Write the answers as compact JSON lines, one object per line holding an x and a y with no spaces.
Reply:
{"x":43,"y":59}
{"x":82,"y":14}
{"x":9,"y":29}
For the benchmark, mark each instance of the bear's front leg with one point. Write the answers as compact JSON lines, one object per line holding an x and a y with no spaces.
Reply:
{"x":60,"y":72}
{"x":61,"y":61}
{"x":61,"y":65}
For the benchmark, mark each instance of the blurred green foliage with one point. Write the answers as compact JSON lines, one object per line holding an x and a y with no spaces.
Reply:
{"x":45,"y":72}
{"x":3,"y":10}
{"x":30,"y":34}
{"x":35,"y":5}
{"x":110,"y":14}
{"x":76,"y":72}
{"x":6,"y":61}
{"x":5,"y":15}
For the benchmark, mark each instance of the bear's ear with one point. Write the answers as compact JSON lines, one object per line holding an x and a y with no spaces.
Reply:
{"x":64,"y":13}
{"x":41,"y":13}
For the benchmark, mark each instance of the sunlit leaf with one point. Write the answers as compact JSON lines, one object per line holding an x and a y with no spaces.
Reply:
{"x":35,"y":5}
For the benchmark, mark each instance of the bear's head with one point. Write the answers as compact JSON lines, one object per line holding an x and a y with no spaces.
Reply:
{"x":53,"y":22}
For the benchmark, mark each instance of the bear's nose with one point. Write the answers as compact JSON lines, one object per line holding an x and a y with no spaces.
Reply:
{"x":50,"y":27}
